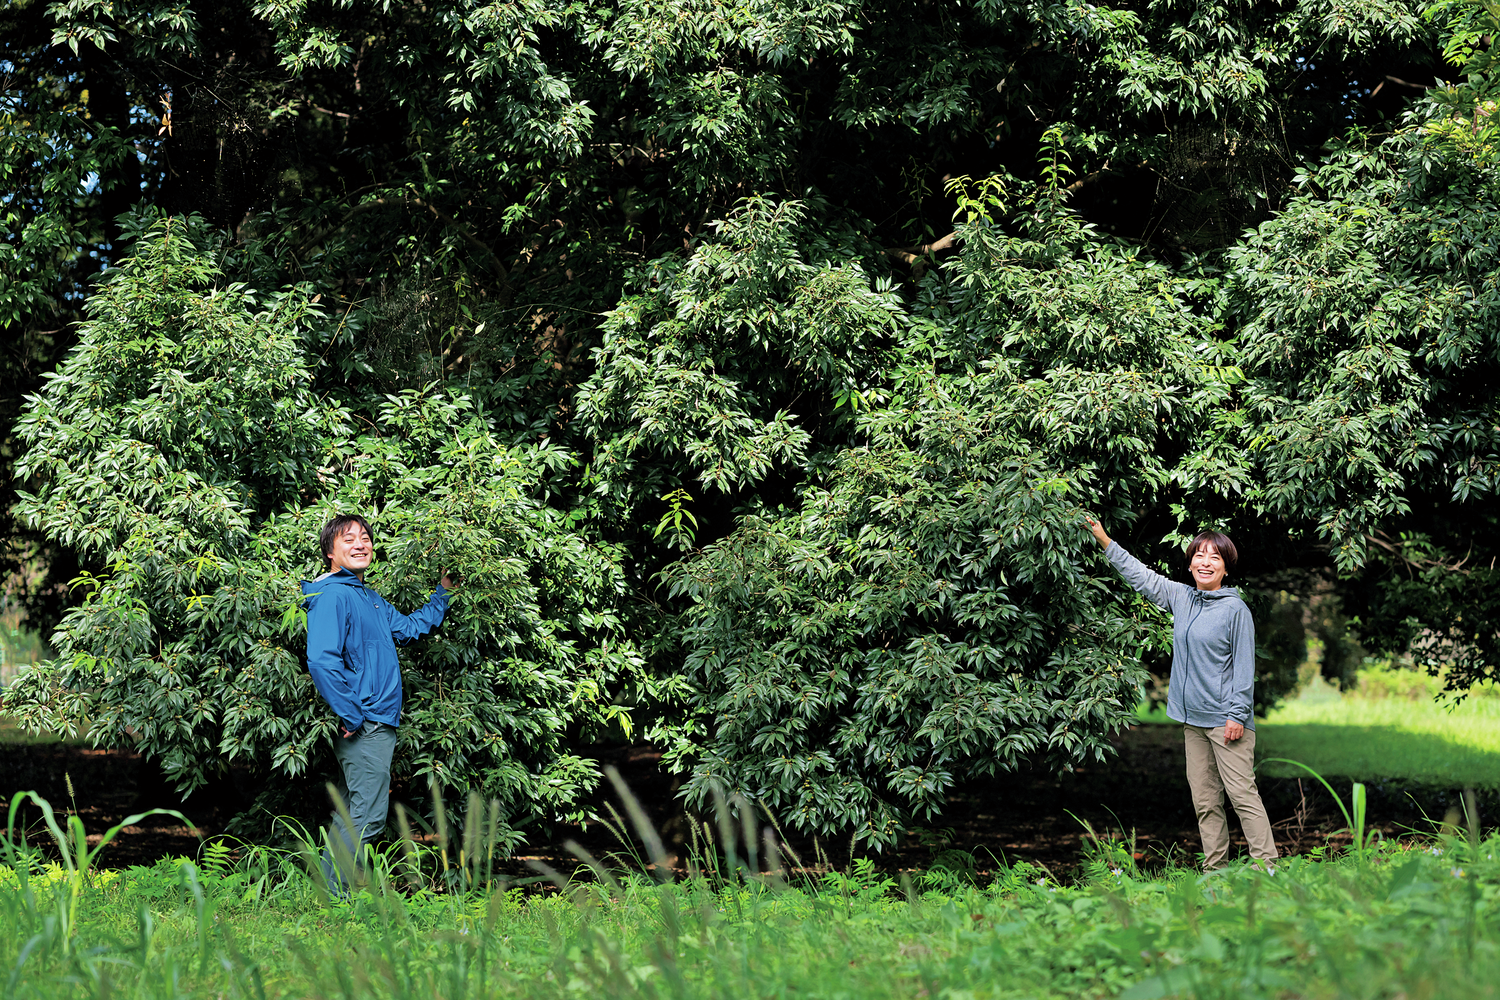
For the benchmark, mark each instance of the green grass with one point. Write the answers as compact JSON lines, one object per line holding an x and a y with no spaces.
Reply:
{"x":1395,"y":724}
{"x":1388,"y":727}
{"x":19,"y":646}
{"x":1412,"y":920}
{"x":1419,"y":918}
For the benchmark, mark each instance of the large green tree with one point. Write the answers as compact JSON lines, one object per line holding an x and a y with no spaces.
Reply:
{"x":924,"y":613}
{"x":1368,"y":316}
{"x":183,"y":446}
{"x":812,"y":329}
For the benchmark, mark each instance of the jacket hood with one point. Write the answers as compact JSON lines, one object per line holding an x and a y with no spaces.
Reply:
{"x":1207,"y":595}
{"x":343,"y":576}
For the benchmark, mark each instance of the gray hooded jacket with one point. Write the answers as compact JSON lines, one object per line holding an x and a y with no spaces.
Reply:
{"x":1213,"y":646}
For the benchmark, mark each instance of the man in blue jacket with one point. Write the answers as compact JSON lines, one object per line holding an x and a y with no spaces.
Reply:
{"x":352,"y":635}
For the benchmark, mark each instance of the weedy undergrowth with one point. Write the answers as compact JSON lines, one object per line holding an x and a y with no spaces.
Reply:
{"x":738,"y":917}
{"x":1354,"y":813}
{"x":50,"y":922}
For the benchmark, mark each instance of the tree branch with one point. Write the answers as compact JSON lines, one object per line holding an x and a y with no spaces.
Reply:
{"x":913,"y":256}
{"x":1398,"y":550}
{"x":412,"y":201}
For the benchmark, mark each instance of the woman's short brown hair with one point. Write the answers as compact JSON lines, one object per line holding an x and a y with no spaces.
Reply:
{"x":1221,"y":543}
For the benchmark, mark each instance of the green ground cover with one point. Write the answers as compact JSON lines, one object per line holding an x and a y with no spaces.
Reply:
{"x":1388,"y":726}
{"x":1416,"y":918}
{"x":1401,"y":919}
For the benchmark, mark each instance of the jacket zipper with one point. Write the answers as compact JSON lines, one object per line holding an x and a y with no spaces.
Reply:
{"x":1198,"y":605}
{"x":1187,"y":633}
{"x":369,"y":598}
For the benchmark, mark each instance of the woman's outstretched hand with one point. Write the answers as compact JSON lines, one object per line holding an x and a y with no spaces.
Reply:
{"x":1098,"y":530}
{"x":445,"y":583}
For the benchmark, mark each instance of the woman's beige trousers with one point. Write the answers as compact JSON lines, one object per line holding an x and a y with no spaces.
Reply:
{"x":1216,"y":766}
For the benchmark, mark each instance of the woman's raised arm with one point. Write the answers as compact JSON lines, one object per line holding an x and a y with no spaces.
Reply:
{"x":1148,"y":583}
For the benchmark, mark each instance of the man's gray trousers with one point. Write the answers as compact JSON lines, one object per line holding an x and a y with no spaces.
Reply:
{"x":365,"y":759}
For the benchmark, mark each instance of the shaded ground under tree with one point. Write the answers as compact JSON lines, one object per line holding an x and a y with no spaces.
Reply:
{"x":1027,"y":815}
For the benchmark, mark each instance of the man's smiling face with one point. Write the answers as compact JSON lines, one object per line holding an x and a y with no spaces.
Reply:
{"x":352,"y":550}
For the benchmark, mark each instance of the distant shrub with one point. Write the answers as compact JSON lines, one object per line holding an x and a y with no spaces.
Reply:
{"x":1379,"y":679}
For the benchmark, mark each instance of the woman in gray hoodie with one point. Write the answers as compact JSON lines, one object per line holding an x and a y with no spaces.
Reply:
{"x":1212,"y":691}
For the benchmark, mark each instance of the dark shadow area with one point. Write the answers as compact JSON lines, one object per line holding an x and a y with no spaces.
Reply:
{"x":1026,"y":815}
{"x":108,"y":786}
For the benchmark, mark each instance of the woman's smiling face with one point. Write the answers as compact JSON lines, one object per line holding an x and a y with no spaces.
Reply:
{"x":1207,"y":567}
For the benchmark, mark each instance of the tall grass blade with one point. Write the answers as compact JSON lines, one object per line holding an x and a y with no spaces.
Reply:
{"x":748,"y":832}
{"x":187,"y":875}
{"x":408,"y":849}
{"x":726,"y":831}
{"x":439,"y":818}
{"x":1348,"y":818}
{"x":711,"y":852}
{"x":468,"y":855}
{"x":695,"y":851}
{"x":1357,"y":797}
{"x":490,"y":841}
{"x":775,"y":872}
{"x":342,"y":844}
{"x":657,"y":851}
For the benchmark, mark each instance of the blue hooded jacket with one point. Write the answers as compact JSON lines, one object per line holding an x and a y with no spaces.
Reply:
{"x":352,"y":635}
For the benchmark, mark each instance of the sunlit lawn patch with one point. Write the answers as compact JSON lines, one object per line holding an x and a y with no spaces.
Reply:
{"x":1389,"y":727}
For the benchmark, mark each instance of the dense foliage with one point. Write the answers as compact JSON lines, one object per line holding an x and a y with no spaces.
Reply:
{"x":182,"y":446}
{"x":1369,"y":315}
{"x":753,"y":363}
{"x":923,"y":614}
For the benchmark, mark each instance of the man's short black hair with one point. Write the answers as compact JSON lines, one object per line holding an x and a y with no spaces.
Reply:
{"x":336,"y":527}
{"x":1220,"y":541}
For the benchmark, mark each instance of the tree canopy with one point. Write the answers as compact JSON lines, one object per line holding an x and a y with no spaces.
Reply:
{"x":754,"y":362}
